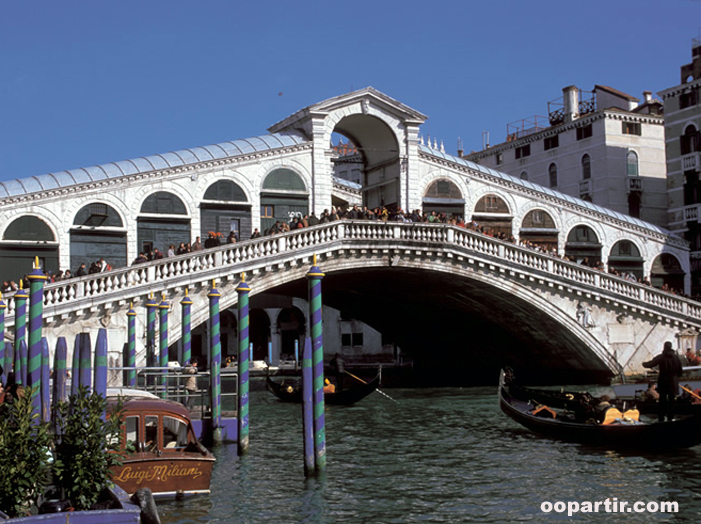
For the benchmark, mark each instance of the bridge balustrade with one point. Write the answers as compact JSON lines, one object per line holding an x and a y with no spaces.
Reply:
{"x":98,"y":287}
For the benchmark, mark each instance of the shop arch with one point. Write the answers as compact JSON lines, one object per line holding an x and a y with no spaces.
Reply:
{"x":283,"y":196}
{"x":24,"y":239}
{"x":583,"y":246}
{"x":292,"y":328}
{"x":98,"y":232}
{"x":162,"y":221}
{"x":666,"y":272}
{"x":492,"y":214}
{"x":225,"y":208}
{"x":625,"y":257}
{"x":539,"y":229}
{"x":443,"y":196}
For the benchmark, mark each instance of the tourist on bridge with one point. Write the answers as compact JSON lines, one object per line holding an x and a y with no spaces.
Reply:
{"x":197,"y":244}
{"x":670,"y":369}
{"x":82,"y":270}
{"x":256,"y":234}
{"x":691,"y":358}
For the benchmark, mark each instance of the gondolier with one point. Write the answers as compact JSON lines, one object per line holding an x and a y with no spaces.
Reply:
{"x":670,"y":369}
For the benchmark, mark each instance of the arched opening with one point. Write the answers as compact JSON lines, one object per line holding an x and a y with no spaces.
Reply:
{"x":667,"y":273}
{"x":259,"y":333}
{"x":443,"y":196}
{"x":583,"y":246}
{"x":98,"y":232}
{"x":283,"y":197}
{"x":375,"y":160}
{"x":493,"y":216}
{"x":225,"y":208}
{"x":162,"y":222}
{"x":690,"y":141}
{"x":348,"y":168}
{"x":25,"y":238}
{"x":625,"y":258}
{"x":632,"y":163}
{"x":538,"y":230}
{"x":292,"y":328}
{"x":552,"y":175}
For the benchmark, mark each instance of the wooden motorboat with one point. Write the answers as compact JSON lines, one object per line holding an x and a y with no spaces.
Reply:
{"x":290,"y":390}
{"x":683,"y":432}
{"x":165,"y":455}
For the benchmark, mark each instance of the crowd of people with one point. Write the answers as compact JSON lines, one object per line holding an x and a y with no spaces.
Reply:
{"x":355,"y":212}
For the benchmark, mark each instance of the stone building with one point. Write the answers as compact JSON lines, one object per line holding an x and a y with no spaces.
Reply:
{"x":683,"y":144}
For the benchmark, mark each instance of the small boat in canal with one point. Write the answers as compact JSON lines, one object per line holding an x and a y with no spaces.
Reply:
{"x":683,"y":432}
{"x":163,"y":453}
{"x":290,"y":390}
{"x":632,"y":386}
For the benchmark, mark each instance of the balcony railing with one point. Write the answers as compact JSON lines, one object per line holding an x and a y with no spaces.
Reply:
{"x":634,"y":184}
{"x":690,"y":162}
{"x":585,"y":187}
{"x":691,"y":213}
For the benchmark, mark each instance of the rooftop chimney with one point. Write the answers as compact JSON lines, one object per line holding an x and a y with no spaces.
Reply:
{"x":570,"y":97}
{"x":647,"y":95}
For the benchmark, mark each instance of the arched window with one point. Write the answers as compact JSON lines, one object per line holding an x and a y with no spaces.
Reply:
{"x":552,"y":173}
{"x":284,"y":180}
{"x":586,"y":167}
{"x":689,"y":141}
{"x":632,"y":163}
{"x":524,"y":175}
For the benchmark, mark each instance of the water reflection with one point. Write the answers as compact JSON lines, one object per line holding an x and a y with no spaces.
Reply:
{"x":435,"y":455}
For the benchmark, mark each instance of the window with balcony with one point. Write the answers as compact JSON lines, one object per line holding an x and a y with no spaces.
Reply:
{"x":586,"y":167}
{"x":584,"y":132}
{"x":689,"y":141}
{"x":631,"y":128}
{"x":551,"y":142}
{"x":632,"y":163}
{"x":552,"y":174}
{"x":523,"y":151}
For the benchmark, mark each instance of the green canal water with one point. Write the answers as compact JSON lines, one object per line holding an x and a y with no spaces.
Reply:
{"x":434,"y":455}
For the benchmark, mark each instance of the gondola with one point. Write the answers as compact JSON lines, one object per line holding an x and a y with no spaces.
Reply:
{"x":684,"y":432}
{"x":290,"y":390}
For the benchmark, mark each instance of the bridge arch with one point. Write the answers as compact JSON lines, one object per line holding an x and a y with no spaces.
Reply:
{"x":98,"y":231}
{"x":443,"y":195}
{"x":540,"y":228}
{"x":283,"y":194}
{"x":667,"y":271}
{"x":163,"y":219}
{"x":24,"y":238}
{"x":493,"y":212}
{"x":225,"y":207}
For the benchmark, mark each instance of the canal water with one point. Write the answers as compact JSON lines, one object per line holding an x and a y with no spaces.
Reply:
{"x":434,"y":455}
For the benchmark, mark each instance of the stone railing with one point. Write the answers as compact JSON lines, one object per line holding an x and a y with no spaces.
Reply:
{"x":200,"y":266}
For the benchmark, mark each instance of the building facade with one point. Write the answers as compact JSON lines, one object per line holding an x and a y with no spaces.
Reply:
{"x":682,"y":110}
{"x":602,"y":146}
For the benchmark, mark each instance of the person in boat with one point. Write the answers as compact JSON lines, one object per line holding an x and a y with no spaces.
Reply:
{"x":651,"y":394}
{"x":691,"y":358}
{"x":338,"y":367}
{"x":670,"y":369}
{"x":329,"y":387}
{"x":190,"y":382}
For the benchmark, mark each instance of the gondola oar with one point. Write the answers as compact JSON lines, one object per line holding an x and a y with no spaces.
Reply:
{"x":377,"y":389}
{"x":690,"y":392}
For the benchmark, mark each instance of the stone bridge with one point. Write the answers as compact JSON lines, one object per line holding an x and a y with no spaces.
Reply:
{"x":444,"y":293}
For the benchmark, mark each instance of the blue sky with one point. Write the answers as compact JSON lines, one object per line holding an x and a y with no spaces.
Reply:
{"x":91,"y":82}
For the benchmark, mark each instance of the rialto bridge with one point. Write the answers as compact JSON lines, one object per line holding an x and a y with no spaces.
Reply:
{"x":442,"y":293}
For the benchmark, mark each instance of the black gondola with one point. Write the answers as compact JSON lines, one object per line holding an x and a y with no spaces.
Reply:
{"x":290,"y":390}
{"x":680,"y":433}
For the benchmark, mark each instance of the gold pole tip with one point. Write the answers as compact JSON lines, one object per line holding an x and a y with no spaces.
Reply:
{"x":314,"y":262}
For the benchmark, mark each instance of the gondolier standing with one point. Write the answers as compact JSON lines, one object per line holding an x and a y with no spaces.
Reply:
{"x":670,"y":369}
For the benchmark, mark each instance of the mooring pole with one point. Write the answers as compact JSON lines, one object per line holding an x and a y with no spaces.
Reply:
{"x":243,"y":289}
{"x":151,"y":360}
{"x":60,"y":372}
{"x":75,"y":367}
{"x":22,"y":364}
{"x":215,"y":363}
{"x":186,"y":304}
{"x":36,"y":309}
{"x":163,"y":344}
{"x":3,"y":352}
{"x":308,"y":408}
{"x":85,"y":361}
{"x":100,"y":379}
{"x":21,"y":298}
{"x":9,"y":358}
{"x":314,"y":277}
{"x":45,"y":381}
{"x":130,"y":357}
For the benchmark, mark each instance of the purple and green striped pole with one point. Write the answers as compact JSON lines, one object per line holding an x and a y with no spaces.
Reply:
{"x":9,"y":357}
{"x":131,"y":347}
{"x":163,"y":343}
{"x":21,"y":298}
{"x":100,"y":377}
{"x":186,"y":304}
{"x":151,"y":306}
{"x":21,"y":363}
{"x":45,"y":381}
{"x":308,"y":408}
{"x":3,"y":353}
{"x":60,"y":372}
{"x":314,"y":277}
{"x":37,"y":279}
{"x":215,"y":363}
{"x":243,"y":290}
{"x":75,"y":368}
{"x":85,"y":361}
